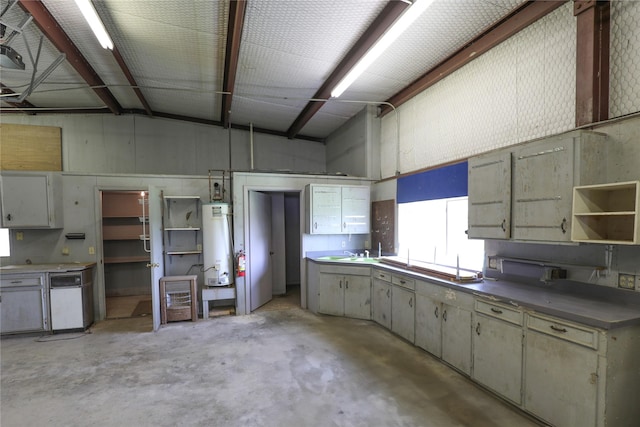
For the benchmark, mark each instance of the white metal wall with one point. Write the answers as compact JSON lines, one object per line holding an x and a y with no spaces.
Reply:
{"x":625,"y":58}
{"x":522,"y":89}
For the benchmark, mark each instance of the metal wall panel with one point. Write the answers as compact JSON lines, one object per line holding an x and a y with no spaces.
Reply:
{"x":522,"y":89}
{"x":624,"y":95}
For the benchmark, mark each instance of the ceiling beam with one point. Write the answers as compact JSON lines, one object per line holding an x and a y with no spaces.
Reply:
{"x":132,"y":80}
{"x":234,"y":34}
{"x":511,"y":24}
{"x":383,"y":21}
{"x":54,"y":32}
{"x":592,"y":61}
{"x":5,"y":90}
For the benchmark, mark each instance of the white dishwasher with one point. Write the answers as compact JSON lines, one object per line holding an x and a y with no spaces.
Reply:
{"x":71,"y":299}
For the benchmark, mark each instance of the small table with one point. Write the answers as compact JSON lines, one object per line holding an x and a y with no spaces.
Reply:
{"x":214,"y":293}
{"x":183,"y":304}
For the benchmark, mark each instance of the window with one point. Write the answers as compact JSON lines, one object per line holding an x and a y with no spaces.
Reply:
{"x":435,"y":231}
{"x":5,"y":249}
{"x":432,"y":218}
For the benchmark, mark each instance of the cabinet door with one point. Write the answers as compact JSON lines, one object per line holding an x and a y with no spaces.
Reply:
{"x":561,"y":381}
{"x":429,"y":324}
{"x":331,"y":298}
{"x":357,"y":297}
{"x":456,"y":337}
{"x":542,"y":192}
{"x":381,"y":295}
{"x":490,"y":196}
{"x":326,"y":210}
{"x":25,"y":201}
{"x":497,"y":356}
{"x":355,"y":210}
{"x":403,"y":313}
{"x":21,"y":309}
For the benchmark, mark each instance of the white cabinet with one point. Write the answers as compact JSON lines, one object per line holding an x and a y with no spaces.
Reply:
{"x":347,"y":295}
{"x":561,"y":372}
{"x":335,"y":209}
{"x":23,"y":303}
{"x":545,"y":173}
{"x":403,"y":307}
{"x":497,"y":348}
{"x":356,"y":209}
{"x":443,"y":324}
{"x":31,"y":200}
{"x":608,"y":213}
{"x":490,"y":196}
{"x":381,"y":302}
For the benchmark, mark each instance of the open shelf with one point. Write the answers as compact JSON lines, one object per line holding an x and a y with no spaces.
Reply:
{"x":127,"y":259}
{"x":606,"y":213}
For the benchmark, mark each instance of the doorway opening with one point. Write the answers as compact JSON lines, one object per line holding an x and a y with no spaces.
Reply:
{"x":274,"y":249}
{"x":125,"y":245}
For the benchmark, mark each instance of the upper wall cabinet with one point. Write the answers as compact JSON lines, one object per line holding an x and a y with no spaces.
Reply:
{"x":31,"y":200}
{"x":545,"y":173}
{"x":525,"y":192}
{"x":490,"y":196}
{"x":335,"y":209}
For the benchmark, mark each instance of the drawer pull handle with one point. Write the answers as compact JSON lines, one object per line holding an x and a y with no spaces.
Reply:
{"x":436,"y":312}
{"x":478,"y":329}
{"x":557,"y":329}
{"x":388,"y":293}
{"x":444,"y":315}
{"x":346,"y":284}
{"x":382,"y":275}
{"x":402,"y":282}
{"x":340,"y":284}
{"x":563,"y":225}
{"x":496,"y":310}
{"x":411,"y":302}
{"x":504,"y":225}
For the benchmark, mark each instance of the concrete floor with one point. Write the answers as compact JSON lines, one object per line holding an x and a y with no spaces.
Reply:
{"x":274,"y":368}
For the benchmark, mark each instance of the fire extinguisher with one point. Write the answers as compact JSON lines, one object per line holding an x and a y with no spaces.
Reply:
{"x":241,"y":263}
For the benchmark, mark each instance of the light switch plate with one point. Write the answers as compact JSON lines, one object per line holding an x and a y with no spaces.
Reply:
{"x":638,"y":282}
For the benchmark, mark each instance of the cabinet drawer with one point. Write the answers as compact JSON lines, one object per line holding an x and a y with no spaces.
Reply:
{"x":9,"y":282}
{"x":403,"y":281}
{"x":564,"y":330}
{"x":382,"y":275}
{"x":500,"y":311}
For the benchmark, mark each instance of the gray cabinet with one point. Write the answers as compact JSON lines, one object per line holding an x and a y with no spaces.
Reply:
{"x":345,"y":294}
{"x":545,"y":173}
{"x":336,"y":209}
{"x":23,"y":303}
{"x":381,"y":302}
{"x":490,"y":196}
{"x":497,"y":348}
{"x":443,"y":324}
{"x":31,"y":200}
{"x":561,"y":371}
{"x":403,"y":312}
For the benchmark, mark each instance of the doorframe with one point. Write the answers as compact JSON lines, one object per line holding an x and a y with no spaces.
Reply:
{"x":100,"y":291}
{"x":245,"y":218}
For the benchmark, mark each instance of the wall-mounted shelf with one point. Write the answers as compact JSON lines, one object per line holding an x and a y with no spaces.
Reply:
{"x":182,"y":232}
{"x":123,"y":260}
{"x":607,"y":213}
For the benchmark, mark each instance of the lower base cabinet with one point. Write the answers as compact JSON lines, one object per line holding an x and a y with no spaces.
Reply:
{"x":456,"y":337}
{"x":381,"y":302}
{"x":428,"y":324}
{"x":345,"y":295}
{"x":403,"y":312}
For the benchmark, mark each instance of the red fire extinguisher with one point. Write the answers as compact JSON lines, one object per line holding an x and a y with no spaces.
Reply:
{"x":242,"y":264}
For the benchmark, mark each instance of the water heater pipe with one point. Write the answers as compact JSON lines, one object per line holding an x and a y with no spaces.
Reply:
{"x":251,"y":142}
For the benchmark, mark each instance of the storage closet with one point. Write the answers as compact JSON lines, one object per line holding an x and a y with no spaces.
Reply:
{"x":125,"y":245}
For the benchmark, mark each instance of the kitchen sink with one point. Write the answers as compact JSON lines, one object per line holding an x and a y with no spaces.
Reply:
{"x":342,"y":258}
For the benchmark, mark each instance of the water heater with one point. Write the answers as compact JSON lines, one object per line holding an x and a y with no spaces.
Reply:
{"x":216,"y":244}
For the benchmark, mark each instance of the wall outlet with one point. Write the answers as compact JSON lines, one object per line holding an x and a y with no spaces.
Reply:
{"x":493,"y":263}
{"x":65,"y":251}
{"x":344,"y":244}
{"x":19,"y":235}
{"x":92,"y":250}
{"x":626,"y":281}
{"x":638,"y":282}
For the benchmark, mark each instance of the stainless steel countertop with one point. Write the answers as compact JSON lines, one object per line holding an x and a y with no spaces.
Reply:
{"x":597,"y":306}
{"x":45,"y":268}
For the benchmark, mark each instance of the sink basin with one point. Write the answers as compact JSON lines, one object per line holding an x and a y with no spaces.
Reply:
{"x":342,"y":258}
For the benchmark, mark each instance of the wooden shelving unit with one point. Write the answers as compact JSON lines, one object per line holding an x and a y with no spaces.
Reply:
{"x":607,"y":213}
{"x":122,"y":227}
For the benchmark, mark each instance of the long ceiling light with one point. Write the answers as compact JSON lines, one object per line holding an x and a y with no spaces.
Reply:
{"x":404,"y":22}
{"x":94,"y":21}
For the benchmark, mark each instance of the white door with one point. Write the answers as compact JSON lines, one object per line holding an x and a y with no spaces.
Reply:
{"x":156,"y":261}
{"x":259,"y":256}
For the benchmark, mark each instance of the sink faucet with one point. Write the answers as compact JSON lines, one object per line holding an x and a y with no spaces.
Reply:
{"x":349,"y":253}
{"x":366,"y":254}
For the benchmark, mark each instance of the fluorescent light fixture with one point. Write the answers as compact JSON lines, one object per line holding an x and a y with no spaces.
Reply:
{"x":95,"y":23}
{"x":404,"y":22}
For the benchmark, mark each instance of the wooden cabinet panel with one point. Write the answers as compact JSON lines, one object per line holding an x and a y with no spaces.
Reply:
{"x":429,"y":325}
{"x":325,"y":209}
{"x":456,"y":337}
{"x":490,"y":196}
{"x":403,"y":312}
{"x":331,"y":298}
{"x":335,"y":209}
{"x":357,"y":297}
{"x":381,"y":304}
{"x":31,"y":200}
{"x":356,"y":209}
